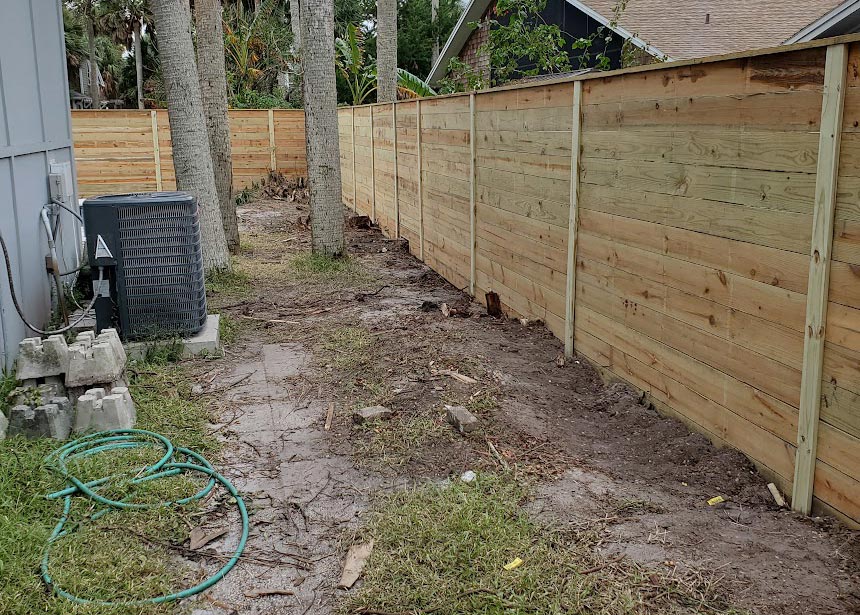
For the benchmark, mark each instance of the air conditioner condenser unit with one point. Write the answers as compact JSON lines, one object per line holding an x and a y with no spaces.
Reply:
{"x":149,"y":246}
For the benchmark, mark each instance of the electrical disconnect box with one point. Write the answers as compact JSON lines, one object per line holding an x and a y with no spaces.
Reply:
{"x":60,"y":182}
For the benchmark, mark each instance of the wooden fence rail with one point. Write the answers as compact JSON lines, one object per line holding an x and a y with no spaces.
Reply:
{"x":691,"y":228}
{"x":129,"y":151}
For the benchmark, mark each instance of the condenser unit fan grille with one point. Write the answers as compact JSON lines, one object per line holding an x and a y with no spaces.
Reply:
{"x":165,"y":291}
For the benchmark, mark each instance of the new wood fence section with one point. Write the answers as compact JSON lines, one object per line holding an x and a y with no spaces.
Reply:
{"x":129,"y":151}
{"x":712,"y":258}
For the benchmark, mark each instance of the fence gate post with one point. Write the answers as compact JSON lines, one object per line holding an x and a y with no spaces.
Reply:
{"x":835,"y":74}
{"x":472,"y":189}
{"x":372,"y":171}
{"x":573,"y":220}
{"x":420,"y":182}
{"x":273,"y":162}
{"x":396,"y":178}
{"x":354,"y":178}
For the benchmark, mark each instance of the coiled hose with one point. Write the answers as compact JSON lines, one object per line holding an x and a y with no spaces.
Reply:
{"x":166,"y":466}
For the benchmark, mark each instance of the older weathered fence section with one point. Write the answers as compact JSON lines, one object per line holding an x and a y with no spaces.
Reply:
{"x":712,"y":256}
{"x":129,"y":151}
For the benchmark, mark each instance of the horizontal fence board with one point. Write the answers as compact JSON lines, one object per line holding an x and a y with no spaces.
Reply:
{"x":106,"y":142}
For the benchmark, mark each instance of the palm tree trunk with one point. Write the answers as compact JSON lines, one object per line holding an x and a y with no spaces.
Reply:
{"x":386,"y":50}
{"x":295,"y":24}
{"x":192,"y":159}
{"x":213,"y":89}
{"x":95,"y":93}
{"x":323,"y":150}
{"x":434,"y":22}
{"x":138,"y":62}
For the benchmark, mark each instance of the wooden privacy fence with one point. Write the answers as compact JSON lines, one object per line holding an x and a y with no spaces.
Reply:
{"x":129,"y":151}
{"x":691,"y":228}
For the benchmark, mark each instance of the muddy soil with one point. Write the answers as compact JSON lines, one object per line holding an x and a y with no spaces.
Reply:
{"x":597,"y":455}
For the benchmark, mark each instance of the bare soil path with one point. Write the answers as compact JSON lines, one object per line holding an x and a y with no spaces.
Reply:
{"x":376,"y":334}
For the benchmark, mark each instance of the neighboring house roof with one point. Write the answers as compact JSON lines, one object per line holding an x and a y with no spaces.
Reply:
{"x":687,"y":29}
{"x":476,"y":9}
{"x":684,"y":29}
{"x":844,"y":19}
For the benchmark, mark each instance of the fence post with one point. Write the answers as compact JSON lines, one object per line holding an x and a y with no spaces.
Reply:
{"x":472,"y":199}
{"x":573,"y":220}
{"x":156,"y":150}
{"x":396,"y":178}
{"x":830,"y":133}
{"x":420,"y":182}
{"x":372,"y":171}
{"x":354,"y":178}
{"x":273,"y":162}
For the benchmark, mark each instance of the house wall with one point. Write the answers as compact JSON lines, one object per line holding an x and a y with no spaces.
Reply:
{"x":684,"y":269}
{"x":35,"y":131}
{"x":469,"y":53}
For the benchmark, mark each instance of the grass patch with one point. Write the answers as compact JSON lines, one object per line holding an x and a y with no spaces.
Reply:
{"x":444,"y":547}
{"x":348,"y":347}
{"x":229,"y":329}
{"x":233,"y":283}
{"x":343,"y":271}
{"x":393,"y":442}
{"x":122,"y":555}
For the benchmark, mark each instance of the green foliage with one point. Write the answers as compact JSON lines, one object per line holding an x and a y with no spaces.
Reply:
{"x":257,"y":47}
{"x":411,"y":86}
{"x":461,"y":77}
{"x":522,"y":44}
{"x":416,"y":32}
{"x":359,"y":74}
{"x":352,"y":64}
{"x":252,"y":99}
{"x":523,"y":34}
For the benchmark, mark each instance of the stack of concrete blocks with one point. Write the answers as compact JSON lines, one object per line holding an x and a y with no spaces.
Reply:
{"x":77,"y":387}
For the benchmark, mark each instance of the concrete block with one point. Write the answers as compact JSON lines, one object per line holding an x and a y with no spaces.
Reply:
{"x":36,"y":394}
{"x":4,"y":425}
{"x":38,"y":358}
{"x":97,"y":411}
{"x":206,"y":342}
{"x":84,"y":412}
{"x":95,"y":360}
{"x":59,"y":413}
{"x":120,"y":390}
{"x":371,"y":413}
{"x":52,"y":420}
{"x":462,"y":419}
{"x":25,"y":421}
{"x":98,"y":392}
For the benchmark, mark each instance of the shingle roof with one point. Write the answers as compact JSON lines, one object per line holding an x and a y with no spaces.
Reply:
{"x":694,"y":28}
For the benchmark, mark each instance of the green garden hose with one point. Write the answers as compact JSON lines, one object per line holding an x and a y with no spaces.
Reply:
{"x":167,"y":465}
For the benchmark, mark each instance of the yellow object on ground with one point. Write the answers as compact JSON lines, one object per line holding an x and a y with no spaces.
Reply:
{"x":515,"y":563}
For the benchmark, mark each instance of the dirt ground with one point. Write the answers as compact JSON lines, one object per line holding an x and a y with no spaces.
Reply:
{"x":596,"y":454}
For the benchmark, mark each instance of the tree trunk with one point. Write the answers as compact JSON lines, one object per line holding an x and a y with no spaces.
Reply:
{"x":138,"y":63}
{"x":192,"y":159}
{"x":323,"y":150}
{"x":386,"y":50}
{"x":434,"y":21}
{"x":94,"y":92}
{"x":213,"y":89}
{"x":295,"y":24}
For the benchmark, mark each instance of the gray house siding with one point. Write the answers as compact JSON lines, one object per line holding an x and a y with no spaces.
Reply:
{"x":35,"y":131}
